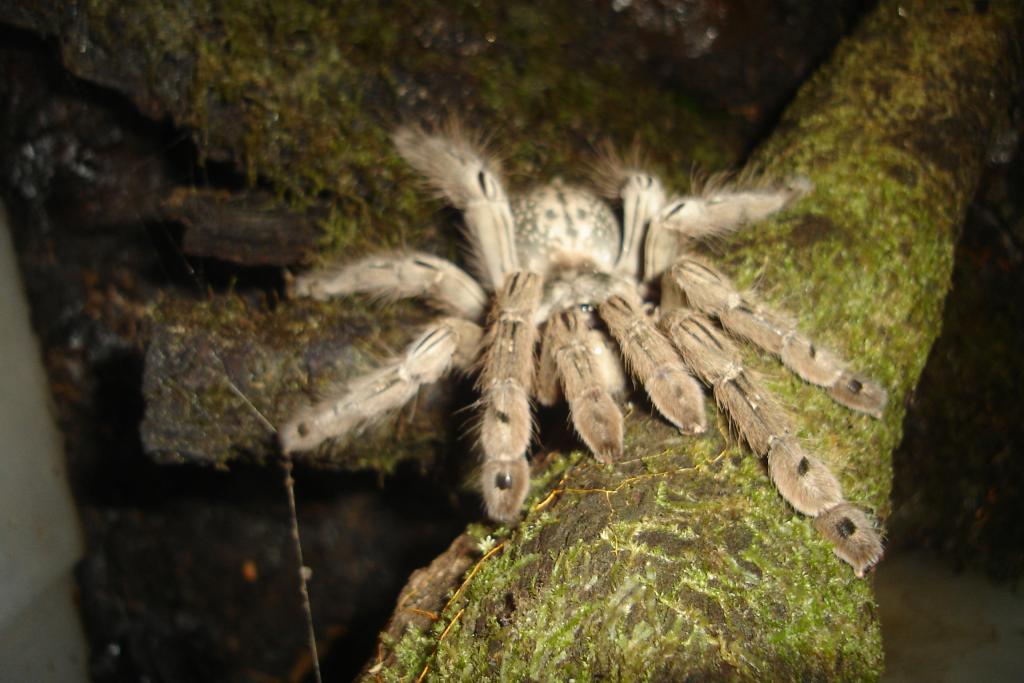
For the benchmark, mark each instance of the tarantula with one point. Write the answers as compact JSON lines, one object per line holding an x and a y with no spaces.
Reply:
{"x":554,"y":263}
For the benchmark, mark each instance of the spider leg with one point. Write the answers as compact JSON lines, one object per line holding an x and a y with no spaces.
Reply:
{"x":547,"y":389}
{"x":398,"y":276}
{"x":594,"y":414}
{"x":471,"y":181}
{"x":506,"y":379}
{"x":711,"y":292}
{"x":448,"y":343}
{"x":642,"y":196}
{"x":651,"y":358}
{"x":802,"y":479}
{"x":715,"y":212}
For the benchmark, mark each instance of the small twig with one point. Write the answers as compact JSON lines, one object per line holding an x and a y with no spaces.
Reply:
{"x":289,"y":485}
{"x":304,"y":572}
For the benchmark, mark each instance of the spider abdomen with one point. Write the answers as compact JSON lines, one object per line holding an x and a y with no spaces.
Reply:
{"x":556,"y":223}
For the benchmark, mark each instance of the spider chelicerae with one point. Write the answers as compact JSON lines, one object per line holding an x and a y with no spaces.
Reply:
{"x":556,"y":265}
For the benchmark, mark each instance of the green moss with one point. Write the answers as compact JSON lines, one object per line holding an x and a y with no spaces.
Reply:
{"x":894,"y":166}
{"x":638,"y":596}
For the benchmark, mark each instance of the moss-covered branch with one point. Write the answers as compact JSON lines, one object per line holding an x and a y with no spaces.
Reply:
{"x":681,"y":563}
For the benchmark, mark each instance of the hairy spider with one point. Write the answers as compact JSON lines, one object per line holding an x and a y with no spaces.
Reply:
{"x":554,"y":264}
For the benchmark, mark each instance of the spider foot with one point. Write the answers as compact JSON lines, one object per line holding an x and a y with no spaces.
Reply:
{"x":853,"y":536}
{"x":505,"y":483}
{"x":857,"y":392}
{"x":599,"y":423}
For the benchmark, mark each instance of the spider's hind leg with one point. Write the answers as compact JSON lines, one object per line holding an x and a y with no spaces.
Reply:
{"x":716,"y":210}
{"x":642,"y":195}
{"x":398,"y":276}
{"x":712,"y":293}
{"x":448,"y":343}
{"x":456,"y":165}
{"x":803,"y":480}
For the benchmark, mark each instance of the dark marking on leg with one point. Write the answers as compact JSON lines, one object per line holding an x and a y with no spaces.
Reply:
{"x":710,"y":337}
{"x":424,"y":264}
{"x":845,"y":527}
{"x":675,"y":210}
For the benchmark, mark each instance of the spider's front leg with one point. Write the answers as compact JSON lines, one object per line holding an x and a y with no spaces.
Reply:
{"x":505,"y":383}
{"x":567,"y":345}
{"x":712,"y":293}
{"x":448,"y":343}
{"x":651,"y":358}
{"x":803,"y":480}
